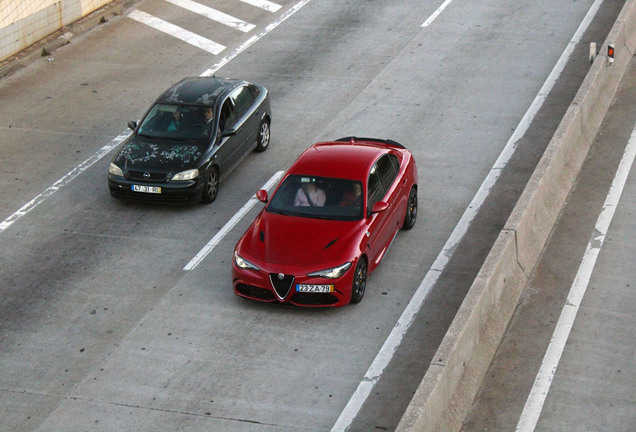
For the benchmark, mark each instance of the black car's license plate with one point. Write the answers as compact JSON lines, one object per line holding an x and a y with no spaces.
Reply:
{"x":146,"y":189}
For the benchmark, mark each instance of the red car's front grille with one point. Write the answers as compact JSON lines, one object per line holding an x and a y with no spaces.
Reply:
{"x":314,"y":299}
{"x":281,"y":284}
{"x":255,"y":292}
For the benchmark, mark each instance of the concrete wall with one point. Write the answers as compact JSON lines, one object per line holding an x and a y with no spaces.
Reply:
{"x":447,"y":390}
{"x":22,"y":23}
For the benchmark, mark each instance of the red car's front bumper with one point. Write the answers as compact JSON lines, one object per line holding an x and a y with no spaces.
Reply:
{"x":286,"y":288}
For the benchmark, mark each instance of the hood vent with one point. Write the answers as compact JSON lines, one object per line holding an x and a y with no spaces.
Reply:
{"x":331,"y":243}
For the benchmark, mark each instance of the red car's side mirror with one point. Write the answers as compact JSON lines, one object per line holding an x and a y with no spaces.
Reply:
{"x":380,"y":206}
{"x":262,"y":195}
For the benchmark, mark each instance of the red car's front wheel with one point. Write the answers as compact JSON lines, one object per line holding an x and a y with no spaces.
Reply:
{"x":359,"y":281}
{"x":411,"y":210}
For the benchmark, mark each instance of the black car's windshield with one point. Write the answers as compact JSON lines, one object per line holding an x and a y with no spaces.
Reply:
{"x":186,"y":122}
{"x":318,"y":197}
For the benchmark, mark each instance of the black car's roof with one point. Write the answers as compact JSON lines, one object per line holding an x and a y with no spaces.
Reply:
{"x":198,"y":90}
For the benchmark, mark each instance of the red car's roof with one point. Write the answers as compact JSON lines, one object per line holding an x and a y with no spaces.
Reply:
{"x":341,"y":159}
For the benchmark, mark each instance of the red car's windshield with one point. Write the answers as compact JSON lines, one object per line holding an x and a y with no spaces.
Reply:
{"x":318,"y":197}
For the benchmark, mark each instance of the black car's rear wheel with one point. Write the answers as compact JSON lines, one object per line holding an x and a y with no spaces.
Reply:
{"x":359,"y":281}
{"x":211,"y":186}
{"x":411,"y":210}
{"x":263,"y":136}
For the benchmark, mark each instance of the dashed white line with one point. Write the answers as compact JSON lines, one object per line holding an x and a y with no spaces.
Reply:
{"x":263,"y":4}
{"x":534,"y":404}
{"x":384,"y":356}
{"x":245,"y":45}
{"x":176,"y":31}
{"x":229,"y":225}
{"x":214,"y":15}
{"x":66,"y":179}
{"x":436,"y":13}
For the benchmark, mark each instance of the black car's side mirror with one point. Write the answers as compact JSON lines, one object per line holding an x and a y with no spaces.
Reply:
{"x":228,"y":132}
{"x":132,"y":125}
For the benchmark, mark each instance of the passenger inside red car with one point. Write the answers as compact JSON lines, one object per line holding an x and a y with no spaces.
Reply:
{"x":352,"y":197}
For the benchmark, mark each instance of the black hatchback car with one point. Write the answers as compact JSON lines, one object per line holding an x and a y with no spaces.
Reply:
{"x":194,"y":134}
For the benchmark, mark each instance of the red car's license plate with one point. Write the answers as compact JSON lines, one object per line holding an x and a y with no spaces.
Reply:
{"x":314,"y":288}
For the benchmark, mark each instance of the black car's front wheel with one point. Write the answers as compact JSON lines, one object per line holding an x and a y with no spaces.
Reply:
{"x":211,"y":186}
{"x":263,"y":136}
{"x":359,"y":281}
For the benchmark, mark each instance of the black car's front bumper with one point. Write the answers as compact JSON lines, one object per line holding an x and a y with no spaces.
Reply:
{"x":181,"y":191}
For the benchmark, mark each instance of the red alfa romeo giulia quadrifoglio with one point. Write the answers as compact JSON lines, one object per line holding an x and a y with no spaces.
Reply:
{"x":328,"y":224}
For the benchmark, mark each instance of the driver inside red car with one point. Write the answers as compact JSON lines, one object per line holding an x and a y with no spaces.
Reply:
{"x":310,"y":195}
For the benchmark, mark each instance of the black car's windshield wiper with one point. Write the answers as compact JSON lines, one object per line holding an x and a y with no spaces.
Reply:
{"x":190,"y":140}
{"x":147,"y":136}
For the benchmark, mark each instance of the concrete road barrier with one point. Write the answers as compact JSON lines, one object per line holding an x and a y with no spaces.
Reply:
{"x":448,"y":389}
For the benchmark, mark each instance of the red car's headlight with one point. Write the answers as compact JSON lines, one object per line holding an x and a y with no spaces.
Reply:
{"x":243,"y":263}
{"x":332,"y":273}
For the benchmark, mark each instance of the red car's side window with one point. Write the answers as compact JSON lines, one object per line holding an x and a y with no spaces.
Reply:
{"x":381,"y":178}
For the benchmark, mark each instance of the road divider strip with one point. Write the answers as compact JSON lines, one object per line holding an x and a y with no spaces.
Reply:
{"x":454,"y":376}
{"x":230,"y":224}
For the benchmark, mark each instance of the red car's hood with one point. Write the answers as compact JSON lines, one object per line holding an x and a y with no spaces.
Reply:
{"x":298,"y":243}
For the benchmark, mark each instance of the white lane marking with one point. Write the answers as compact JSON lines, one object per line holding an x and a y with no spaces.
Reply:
{"x":66,"y":179}
{"x":106,"y":149}
{"x":263,"y":4}
{"x":229,"y":225}
{"x":436,"y":13}
{"x":214,"y":15}
{"x":534,"y":404}
{"x":254,"y":39}
{"x":391,"y":344}
{"x":176,"y":31}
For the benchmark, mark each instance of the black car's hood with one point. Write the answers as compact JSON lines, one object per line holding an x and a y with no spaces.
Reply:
{"x":157,"y":154}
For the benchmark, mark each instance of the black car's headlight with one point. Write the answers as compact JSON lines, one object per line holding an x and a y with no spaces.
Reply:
{"x":186,"y":175}
{"x":115,"y":170}
{"x":243,"y":263}
{"x":332,"y":273}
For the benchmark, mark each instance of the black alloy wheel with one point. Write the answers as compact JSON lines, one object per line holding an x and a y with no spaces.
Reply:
{"x":411,"y":210}
{"x":211,"y":186}
{"x":263,"y":136}
{"x":359,"y":281}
